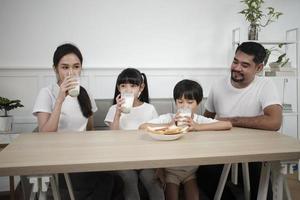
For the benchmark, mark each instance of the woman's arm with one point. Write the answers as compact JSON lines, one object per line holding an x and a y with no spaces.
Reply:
{"x":48,"y":122}
{"x":90,"y":124}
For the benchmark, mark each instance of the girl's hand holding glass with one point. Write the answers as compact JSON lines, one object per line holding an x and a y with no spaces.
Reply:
{"x":120,"y":101}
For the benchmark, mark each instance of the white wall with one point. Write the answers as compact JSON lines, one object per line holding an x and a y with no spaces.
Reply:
{"x":139,"y":33}
{"x":167,"y":39}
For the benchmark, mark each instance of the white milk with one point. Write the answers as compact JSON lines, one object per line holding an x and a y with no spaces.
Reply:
{"x":128,"y":102}
{"x":74,"y":92}
{"x":183,"y":112}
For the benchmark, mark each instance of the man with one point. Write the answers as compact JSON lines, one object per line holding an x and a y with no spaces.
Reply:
{"x":247,"y":101}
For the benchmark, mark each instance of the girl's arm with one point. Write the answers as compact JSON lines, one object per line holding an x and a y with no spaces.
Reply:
{"x":214,"y":126}
{"x":114,"y":125}
{"x":48,"y":122}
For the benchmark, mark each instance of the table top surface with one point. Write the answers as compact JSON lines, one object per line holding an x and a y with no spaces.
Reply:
{"x":43,"y":153}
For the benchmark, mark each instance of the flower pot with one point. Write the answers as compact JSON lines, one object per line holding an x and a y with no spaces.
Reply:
{"x":253,"y":32}
{"x":6,"y":123}
{"x":274,"y":66}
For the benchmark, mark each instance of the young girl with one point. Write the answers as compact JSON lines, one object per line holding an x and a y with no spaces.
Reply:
{"x":133,"y":81}
{"x":57,"y":111}
{"x":186,"y":94}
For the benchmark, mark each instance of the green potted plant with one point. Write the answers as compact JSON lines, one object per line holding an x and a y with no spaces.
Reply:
{"x":7,"y":120}
{"x":282,"y":59}
{"x":256,"y":17}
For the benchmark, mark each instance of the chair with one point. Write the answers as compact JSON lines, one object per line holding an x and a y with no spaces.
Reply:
{"x":40,"y":184}
{"x":234,"y":178}
{"x":234,"y":172}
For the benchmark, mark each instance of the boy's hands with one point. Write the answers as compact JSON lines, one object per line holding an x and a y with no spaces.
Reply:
{"x":186,"y":121}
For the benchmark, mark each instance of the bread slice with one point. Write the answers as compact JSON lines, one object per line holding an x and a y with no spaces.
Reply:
{"x":170,"y":130}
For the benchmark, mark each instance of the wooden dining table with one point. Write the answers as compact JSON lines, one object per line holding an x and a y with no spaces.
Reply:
{"x":51,"y":153}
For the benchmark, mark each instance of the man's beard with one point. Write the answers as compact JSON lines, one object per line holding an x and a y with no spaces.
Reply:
{"x":234,"y":78}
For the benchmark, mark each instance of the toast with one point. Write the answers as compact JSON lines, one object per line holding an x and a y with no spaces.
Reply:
{"x":170,"y":130}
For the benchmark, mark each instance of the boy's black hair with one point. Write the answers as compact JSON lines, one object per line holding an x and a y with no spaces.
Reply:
{"x":83,"y":97}
{"x":189,"y":90}
{"x":254,"y":49}
{"x":133,"y":76}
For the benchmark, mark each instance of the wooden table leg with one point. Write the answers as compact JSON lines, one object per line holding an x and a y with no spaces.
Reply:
{"x":12,"y":187}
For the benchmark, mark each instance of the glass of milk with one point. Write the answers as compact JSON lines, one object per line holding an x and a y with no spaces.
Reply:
{"x":74,"y":92}
{"x":183,"y":113}
{"x":128,"y":101}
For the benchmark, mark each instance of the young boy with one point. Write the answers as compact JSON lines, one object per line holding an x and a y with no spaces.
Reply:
{"x":187,"y":94}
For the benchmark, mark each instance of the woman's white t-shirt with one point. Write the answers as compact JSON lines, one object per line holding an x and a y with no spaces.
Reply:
{"x":71,"y":117}
{"x":137,"y":116}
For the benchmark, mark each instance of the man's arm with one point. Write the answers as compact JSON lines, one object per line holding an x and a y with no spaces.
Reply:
{"x":270,"y":120}
{"x":209,"y":114}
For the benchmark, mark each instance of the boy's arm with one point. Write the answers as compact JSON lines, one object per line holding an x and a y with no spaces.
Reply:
{"x":214,"y":126}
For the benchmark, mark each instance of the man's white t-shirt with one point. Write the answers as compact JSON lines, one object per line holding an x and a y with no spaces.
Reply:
{"x":137,"y":116}
{"x":228,"y":101}
{"x":71,"y":117}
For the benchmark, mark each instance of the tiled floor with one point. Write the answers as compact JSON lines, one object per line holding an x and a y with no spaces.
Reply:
{"x":294,"y":186}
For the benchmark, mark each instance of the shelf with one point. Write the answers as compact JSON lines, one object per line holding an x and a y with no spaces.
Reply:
{"x":291,"y":47}
{"x":289,"y":113}
{"x":268,"y":42}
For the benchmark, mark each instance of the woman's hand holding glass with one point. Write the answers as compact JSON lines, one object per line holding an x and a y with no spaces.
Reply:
{"x":67,"y":84}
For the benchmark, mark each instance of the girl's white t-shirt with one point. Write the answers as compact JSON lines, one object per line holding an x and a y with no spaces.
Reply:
{"x":137,"y":116}
{"x":71,"y":117}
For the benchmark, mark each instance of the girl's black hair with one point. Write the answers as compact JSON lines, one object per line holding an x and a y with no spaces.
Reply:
{"x":189,"y":90}
{"x":133,"y":76}
{"x":83,"y":97}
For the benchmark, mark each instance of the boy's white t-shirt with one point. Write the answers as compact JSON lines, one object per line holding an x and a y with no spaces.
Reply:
{"x":137,"y":116}
{"x":167,"y":118}
{"x":71,"y":117}
{"x":228,"y":101}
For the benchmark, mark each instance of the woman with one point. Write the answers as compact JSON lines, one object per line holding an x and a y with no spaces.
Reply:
{"x":57,"y":111}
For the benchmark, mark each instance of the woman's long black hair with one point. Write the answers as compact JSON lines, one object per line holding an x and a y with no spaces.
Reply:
{"x":133,"y":76}
{"x":83,"y":97}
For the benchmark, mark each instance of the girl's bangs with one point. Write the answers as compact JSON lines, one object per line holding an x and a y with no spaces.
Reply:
{"x":130,"y":80}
